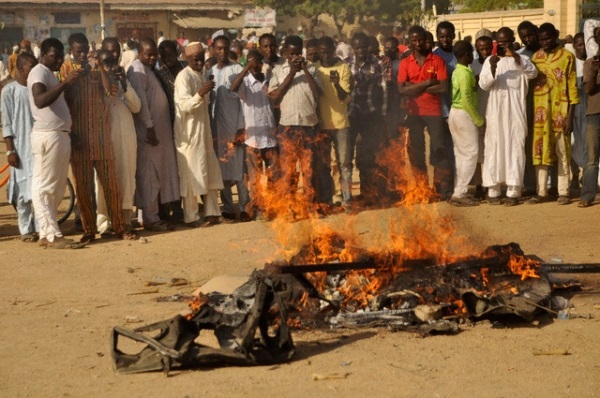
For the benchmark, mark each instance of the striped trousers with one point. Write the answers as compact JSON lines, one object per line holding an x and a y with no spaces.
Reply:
{"x":83,"y":171}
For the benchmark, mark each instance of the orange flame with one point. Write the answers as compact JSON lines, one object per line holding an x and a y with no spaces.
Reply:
{"x":525,"y":267}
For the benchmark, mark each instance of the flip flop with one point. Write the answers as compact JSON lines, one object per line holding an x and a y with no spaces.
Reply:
{"x":29,"y":238}
{"x":64,"y":243}
{"x":128,"y":235}
{"x":87,"y":238}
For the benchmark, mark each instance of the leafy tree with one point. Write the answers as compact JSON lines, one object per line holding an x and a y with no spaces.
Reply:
{"x":498,"y":5}
{"x":348,"y":11}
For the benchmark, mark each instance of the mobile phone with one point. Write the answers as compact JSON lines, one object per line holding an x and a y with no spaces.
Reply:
{"x":211,"y":77}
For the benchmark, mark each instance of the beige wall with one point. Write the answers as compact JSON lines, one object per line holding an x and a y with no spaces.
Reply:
{"x":38,"y":25}
{"x":564,"y":14}
{"x":468,"y":24}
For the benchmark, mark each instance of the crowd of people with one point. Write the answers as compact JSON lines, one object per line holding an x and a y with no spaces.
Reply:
{"x":157,"y":126}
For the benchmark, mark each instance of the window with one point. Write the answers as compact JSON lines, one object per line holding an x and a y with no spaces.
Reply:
{"x":67,"y":18}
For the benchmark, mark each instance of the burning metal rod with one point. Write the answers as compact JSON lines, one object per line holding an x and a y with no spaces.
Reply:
{"x":567,"y":268}
{"x":325,"y":267}
{"x":585,"y":268}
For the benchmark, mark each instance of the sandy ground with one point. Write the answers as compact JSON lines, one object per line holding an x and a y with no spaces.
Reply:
{"x":57,"y":309}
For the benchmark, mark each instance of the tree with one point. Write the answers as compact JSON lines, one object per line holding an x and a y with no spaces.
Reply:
{"x":498,"y":5}
{"x":348,"y":11}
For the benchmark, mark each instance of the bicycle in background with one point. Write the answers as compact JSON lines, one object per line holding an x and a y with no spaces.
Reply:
{"x":66,"y":205}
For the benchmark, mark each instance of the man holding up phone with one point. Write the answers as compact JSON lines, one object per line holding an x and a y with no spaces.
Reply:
{"x":335,"y":77}
{"x":295,"y":88}
{"x":506,"y":76}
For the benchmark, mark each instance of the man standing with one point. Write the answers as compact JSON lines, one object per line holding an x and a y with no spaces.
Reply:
{"x":554,"y":97}
{"x":528,"y":34}
{"x":506,"y":76}
{"x":579,"y":149}
{"x":483,"y":48}
{"x":156,"y":179}
{"x":50,"y":142}
{"x":168,"y":67}
{"x":122,"y":104}
{"x":267,"y":45}
{"x":464,"y":122}
{"x":199,"y":170}
{"x":335,"y":77}
{"x":261,"y":144}
{"x":227,"y":123}
{"x":394,"y":115}
{"x":17,"y":123}
{"x":91,"y":141}
{"x":366,"y":112}
{"x":445,"y":33}
{"x":422,"y":79}
{"x":591,"y":84}
{"x":294,"y":87}
{"x":12,"y":61}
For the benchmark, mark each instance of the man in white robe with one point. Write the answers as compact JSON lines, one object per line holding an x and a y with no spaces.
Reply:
{"x":506,"y":77}
{"x":199,"y":170}
{"x":123,"y":103}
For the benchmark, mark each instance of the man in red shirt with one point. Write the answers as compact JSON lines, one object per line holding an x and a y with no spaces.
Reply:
{"x":422,"y":78}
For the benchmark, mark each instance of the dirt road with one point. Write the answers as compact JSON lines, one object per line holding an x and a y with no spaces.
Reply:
{"x":57,"y":309}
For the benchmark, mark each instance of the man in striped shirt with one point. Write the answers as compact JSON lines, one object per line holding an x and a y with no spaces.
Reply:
{"x":90,"y":140}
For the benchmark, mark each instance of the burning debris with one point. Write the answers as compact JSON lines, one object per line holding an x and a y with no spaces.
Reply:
{"x":252,"y":325}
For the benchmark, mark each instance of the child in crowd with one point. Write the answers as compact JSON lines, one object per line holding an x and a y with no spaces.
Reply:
{"x":464,"y":121}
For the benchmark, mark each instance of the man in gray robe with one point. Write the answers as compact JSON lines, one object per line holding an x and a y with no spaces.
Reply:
{"x":157,"y":180}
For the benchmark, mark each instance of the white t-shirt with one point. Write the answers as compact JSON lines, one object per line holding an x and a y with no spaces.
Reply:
{"x":54,"y":117}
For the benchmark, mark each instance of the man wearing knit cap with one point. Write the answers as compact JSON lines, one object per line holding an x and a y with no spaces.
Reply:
{"x":199,"y":170}
{"x":26,"y":47}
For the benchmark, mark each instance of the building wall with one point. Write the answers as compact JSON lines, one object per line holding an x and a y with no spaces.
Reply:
{"x":467,"y":24}
{"x":564,"y":14}
{"x":37,"y":26}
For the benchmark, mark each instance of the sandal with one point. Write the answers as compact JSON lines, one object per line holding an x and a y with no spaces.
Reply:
{"x":509,"y":202}
{"x":64,"y":243}
{"x":30,"y":238}
{"x":43,"y":242}
{"x":585,"y":203}
{"x":209,"y":221}
{"x":128,"y":235}
{"x":563,"y":200}
{"x":87,"y":238}
{"x":194,"y":224}
{"x":536,"y":200}
{"x":159,"y":226}
{"x":494,"y":201}
{"x":463,"y":202}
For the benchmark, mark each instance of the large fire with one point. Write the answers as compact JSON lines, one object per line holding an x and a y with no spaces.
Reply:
{"x":417,"y":234}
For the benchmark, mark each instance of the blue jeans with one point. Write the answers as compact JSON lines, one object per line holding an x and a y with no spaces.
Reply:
{"x":590,"y":172}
